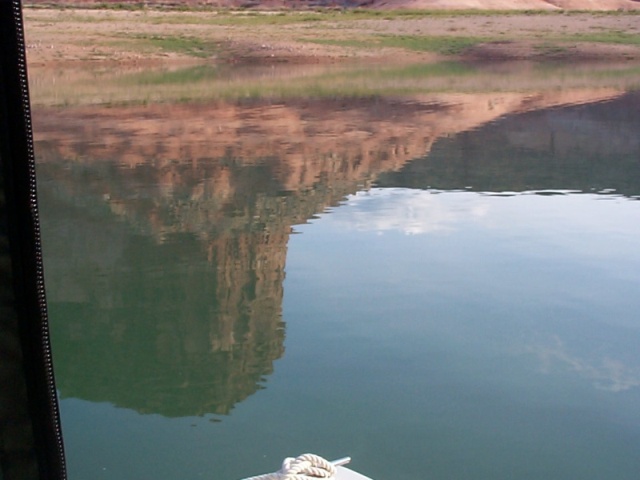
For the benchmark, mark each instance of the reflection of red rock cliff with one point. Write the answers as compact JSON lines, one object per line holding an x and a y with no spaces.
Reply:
{"x":588,"y":147}
{"x":158,"y":327}
{"x":224,"y":164}
{"x":299,"y":139}
{"x":250,"y":276}
{"x":208,"y":195}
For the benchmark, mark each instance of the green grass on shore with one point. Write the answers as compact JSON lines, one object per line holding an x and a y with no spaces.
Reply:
{"x":611,"y":37}
{"x":327,"y":27}
{"x":448,"y":45}
{"x":191,"y":46}
{"x":223,"y":16}
{"x":444,"y":45}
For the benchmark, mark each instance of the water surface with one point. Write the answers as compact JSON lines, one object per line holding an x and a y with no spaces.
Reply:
{"x":441,"y":284}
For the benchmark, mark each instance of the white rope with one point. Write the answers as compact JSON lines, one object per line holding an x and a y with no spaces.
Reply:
{"x":304,"y":467}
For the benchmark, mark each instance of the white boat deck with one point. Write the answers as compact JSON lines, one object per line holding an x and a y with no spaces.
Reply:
{"x":310,"y":465}
{"x":344,"y":473}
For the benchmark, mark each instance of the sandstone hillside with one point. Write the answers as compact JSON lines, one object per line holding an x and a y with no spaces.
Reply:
{"x":510,"y":4}
{"x":380,"y":4}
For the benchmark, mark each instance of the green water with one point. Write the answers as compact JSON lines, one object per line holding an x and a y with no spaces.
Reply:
{"x":436,"y":294}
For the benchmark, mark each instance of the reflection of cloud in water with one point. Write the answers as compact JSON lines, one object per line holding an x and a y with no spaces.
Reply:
{"x":410,"y":211}
{"x":605,"y":373}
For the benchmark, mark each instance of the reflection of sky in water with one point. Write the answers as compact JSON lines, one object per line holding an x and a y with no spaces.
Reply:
{"x":597,"y":232}
{"x":607,"y":373}
{"x":426,"y":211}
{"x":409,"y":211}
{"x":551,"y":275}
{"x":428,"y":335}
{"x":503,"y":326}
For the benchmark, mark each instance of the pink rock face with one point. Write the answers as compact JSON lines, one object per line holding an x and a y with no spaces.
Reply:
{"x":397,"y":4}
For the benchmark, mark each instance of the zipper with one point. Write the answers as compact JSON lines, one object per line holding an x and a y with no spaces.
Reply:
{"x":26,"y":248}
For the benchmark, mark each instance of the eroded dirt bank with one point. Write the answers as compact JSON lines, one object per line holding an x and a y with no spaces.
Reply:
{"x":62,"y":36}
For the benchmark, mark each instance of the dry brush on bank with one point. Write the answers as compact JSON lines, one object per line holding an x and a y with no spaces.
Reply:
{"x":61,"y":35}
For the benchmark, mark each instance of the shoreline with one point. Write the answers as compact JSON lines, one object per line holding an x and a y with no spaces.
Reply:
{"x":94,"y":36}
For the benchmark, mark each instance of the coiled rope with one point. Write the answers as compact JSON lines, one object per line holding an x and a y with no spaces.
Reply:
{"x":303,"y":467}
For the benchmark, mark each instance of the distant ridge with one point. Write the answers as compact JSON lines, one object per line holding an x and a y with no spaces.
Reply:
{"x":508,"y":4}
{"x":595,"y":5}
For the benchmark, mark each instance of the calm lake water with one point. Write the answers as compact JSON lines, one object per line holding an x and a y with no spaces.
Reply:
{"x":443,"y":283}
